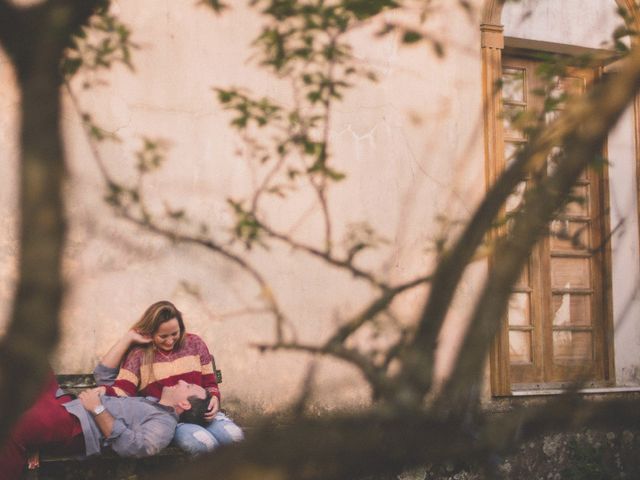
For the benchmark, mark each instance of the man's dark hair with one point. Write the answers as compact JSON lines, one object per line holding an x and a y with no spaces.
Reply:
{"x":199,"y":407}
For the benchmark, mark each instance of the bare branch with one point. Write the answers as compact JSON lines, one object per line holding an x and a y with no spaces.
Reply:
{"x":375,"y":307}
{"x":334,"y":346}
{"x":95,"y":151}
{"x":306,"y":391}
{"x":324,"y":255}
{"x":209,"y":244}
{"x":146,"y":222}
{"x":412,"y":283}
{"x":419,"y":359}
{"x":265,"y":184}
{"x":323,"y":155}
{"x":374,"y":375}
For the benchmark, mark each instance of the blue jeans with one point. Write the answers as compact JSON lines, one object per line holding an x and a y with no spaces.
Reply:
{"x":196,"y":440}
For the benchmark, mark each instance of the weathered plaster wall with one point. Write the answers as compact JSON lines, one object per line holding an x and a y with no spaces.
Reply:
{"x":573,"y":22}
{"x":411,"y":146}
{"x":624,"y":245}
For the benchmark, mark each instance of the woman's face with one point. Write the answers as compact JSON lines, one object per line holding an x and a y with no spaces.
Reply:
{"x":167,"y":335}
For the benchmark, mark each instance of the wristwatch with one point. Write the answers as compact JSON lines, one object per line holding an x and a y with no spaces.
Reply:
{"x":98,"y":410}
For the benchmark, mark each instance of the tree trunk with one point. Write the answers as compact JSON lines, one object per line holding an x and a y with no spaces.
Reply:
{"x":35,"y":39}
{"x":34,"y":330}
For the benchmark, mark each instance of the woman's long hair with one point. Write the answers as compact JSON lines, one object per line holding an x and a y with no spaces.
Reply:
{"x":154,"y":316}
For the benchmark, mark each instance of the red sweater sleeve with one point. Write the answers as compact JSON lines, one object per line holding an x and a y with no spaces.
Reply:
{"x":208,"y":375}
{"x":128,"y":379}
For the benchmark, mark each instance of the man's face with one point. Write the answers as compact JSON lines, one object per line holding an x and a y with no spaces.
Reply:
{"x":182,"y":390}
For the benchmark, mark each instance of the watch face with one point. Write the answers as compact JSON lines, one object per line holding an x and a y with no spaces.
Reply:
{"x":98,"y":410}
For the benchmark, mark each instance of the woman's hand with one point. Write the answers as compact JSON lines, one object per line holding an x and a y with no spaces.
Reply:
{"x":138,"y":338}
{"x":115,"y":355}
{"x":212,"y":410}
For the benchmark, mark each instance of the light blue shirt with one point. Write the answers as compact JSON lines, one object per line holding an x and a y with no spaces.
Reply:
{"x":141,"y":427}
{"x":104,"y":375}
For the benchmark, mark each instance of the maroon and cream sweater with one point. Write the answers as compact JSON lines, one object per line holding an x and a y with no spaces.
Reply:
{"x":191,"y":363}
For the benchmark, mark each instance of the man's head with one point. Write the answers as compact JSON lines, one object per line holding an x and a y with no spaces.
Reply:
{"x":199,"y":407}
{"x":184,"y":397}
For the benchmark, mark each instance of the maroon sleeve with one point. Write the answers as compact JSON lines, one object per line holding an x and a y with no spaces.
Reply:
{"x":128,"y":380}
{"x":208,"y":375}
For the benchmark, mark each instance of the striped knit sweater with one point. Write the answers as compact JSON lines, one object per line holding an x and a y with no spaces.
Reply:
{"x":191,"y":363}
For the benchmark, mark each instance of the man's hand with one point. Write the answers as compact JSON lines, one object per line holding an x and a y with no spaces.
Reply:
{"x":90,"y":399}
{"x":214,"y":407}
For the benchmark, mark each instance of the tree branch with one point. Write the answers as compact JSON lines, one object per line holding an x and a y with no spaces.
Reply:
{"x":334,"y":346}
{"x":374,"y":375}
{"x":326,"y":256}
{"x":209,"y":244}
{"x":147,"y":223}
{"x":374,"y":308}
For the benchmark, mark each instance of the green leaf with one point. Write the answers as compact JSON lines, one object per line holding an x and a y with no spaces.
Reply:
{"x":367,"y":8}
{"x":598,"y":163}
{"x":321,"y":168}
{"x":224,"y":96}
{"x":334,"y":174}
{"x":314,"y":96}
{"x":239,"y":123}
{"x":70,"y":66}
{"x":411,"y":36}
{"x":216,"y":5}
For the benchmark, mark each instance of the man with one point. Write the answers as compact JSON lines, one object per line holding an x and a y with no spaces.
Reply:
{"x":131,"y":426}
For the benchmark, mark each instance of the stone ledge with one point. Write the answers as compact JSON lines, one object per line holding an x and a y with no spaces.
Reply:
{"x":505,"y":404}
{"x":105,"y":466}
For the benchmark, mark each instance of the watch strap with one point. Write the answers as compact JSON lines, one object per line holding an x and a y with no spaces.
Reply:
{"x":98,"y":410}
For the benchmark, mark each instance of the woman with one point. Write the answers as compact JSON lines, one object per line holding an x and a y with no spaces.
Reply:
{"x":158,"y":352}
